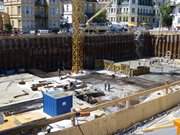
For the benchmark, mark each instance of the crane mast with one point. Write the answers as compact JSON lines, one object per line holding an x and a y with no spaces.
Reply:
{"x":77,"y":37}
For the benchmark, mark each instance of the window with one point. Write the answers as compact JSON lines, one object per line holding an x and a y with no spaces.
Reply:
{"x":67,"y":8}
{"x":179,"y":20}
{"x":111,"y":10}
{"x":12,"y":22}
{"x":19,"y":10}
{"x":119,"y":19}
{"x":52,"y":1}
{"x":7,"y":10}
{"x":27,"y":11}
{"x":132,"y":19}
{"x":133,"y":10}
{"x":19,"y":23}
{"x":126,"y":19}
{"x":133,"y":1}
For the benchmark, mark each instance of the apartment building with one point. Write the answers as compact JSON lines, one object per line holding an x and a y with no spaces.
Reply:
{"x":29,"y":15}
{"x":176,"y":15}
{"x":90,"y":8}
{"x":131,"y":12}
{"x":55,"y":13}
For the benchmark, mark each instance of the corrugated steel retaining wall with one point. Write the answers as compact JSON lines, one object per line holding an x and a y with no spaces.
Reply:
{"x":164,"y":43}
{"x":52,"y":52}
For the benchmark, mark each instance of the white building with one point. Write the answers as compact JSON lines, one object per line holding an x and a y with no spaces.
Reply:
{"x":90,"y":9}
{"x":55,"y":12}
{"x":176,"y":14}
{"x":67,"y":14}
{"x":131,"y":12}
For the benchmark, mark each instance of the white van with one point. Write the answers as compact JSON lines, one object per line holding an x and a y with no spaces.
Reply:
{"x":42,"y":32}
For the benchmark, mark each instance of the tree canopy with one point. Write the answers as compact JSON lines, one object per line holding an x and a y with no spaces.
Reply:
{"x":166,"y":15}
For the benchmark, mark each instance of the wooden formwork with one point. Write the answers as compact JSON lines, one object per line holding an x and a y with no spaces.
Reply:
{"x":123,"y":119}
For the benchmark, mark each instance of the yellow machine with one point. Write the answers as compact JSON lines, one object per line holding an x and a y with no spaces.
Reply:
{"x":169,"y":124}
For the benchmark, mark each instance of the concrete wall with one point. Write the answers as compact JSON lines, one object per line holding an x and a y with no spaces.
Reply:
{"x":125,"y":118}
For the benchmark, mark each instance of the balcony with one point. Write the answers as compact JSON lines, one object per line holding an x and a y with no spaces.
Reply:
{"x":40,"y":3}
{"x":40,"y":16}
{"x":146,"y":14}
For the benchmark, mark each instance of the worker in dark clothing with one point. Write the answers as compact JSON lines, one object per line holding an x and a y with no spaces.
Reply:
{"x":105,"y":85}
{"x":108,"y":87}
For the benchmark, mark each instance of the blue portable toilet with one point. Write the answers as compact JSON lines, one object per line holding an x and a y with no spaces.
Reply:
{"x":57,"y":102}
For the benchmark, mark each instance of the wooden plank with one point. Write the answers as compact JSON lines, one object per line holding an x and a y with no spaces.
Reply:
{"x":19,"y":120}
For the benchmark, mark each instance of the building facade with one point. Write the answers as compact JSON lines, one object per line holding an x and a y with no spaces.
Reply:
{"x":131,"y":12}
{"x":90,"y":8}
{"x":55,"y":13}
{"x":176,"y":15}
{"x":102,"y":3}
{"x":26,"y":15}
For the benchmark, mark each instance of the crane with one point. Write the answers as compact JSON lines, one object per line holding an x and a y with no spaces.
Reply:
{"x":77,"y":50}
{"x":78,"y":36}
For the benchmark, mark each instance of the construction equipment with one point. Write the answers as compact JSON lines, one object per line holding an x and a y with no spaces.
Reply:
{"x":170,"y":124}
{"x":82,"y":114}
{"x":177,"y":124}
{"x":98,"y":13}
{"x":78,"y":36}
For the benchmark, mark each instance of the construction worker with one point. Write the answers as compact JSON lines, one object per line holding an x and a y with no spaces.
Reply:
{"x":108,"y":87}
{"x":105,"y":85}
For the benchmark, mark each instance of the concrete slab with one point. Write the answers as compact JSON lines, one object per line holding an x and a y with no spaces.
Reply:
{"x":12,"y":92}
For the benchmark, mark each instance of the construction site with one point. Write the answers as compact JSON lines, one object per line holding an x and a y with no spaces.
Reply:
{"x":90,"y":84}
